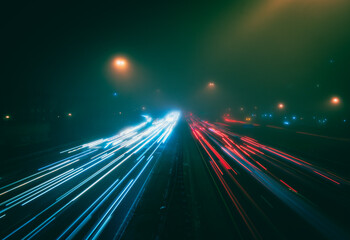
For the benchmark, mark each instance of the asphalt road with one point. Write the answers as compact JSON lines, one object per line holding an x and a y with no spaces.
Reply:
{"x":271,"y":193}
{"x":87,"y":191}
{"x":182,"y":200}
{"x":204,"y":181}
{"x":322,"y":148}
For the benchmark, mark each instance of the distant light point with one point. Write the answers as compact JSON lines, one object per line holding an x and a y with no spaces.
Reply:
{"x":281,"y":106}
{"x":7,"y":117}
{"x":211,"y":84}
{"x":69,"y":114}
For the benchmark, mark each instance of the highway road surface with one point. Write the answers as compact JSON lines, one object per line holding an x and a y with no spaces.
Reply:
{"x":89,"y":191}
{"x":156,"y":180}
{"x":272,"y":194}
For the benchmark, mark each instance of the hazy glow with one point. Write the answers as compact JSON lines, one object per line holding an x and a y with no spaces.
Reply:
{"x":280,"y":105}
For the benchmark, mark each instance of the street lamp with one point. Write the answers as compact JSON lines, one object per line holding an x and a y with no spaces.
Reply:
{"x":335,"y":100}
{"x":211,"y":84}
{"x":120,"y":63}
{"x":280,"y":105}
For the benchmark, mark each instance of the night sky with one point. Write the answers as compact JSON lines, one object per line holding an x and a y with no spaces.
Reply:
{"x":258,"y":54}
